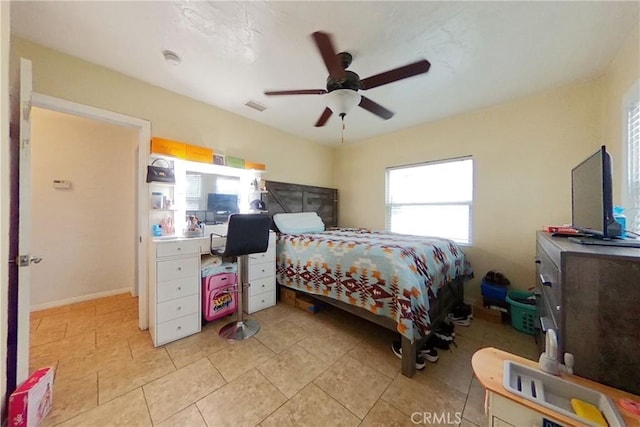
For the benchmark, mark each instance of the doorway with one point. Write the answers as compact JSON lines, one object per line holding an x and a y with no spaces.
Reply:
{"x":141,"y":235}
{"x":83,"y":212}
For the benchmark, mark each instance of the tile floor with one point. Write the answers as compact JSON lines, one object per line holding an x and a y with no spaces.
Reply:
{"x":324,"y":369}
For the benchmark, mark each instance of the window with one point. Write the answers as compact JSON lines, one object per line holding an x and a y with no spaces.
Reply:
{"x":431,"y":199}
{"x":632,"y":149}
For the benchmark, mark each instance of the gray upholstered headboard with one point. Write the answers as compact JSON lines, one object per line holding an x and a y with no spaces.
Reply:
{"x":286,"y":197}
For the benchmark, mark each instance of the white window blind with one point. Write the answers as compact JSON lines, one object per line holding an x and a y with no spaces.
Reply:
{"x":431,"y":199}
{"x":193,"y":191}
{"x":633,"y":168}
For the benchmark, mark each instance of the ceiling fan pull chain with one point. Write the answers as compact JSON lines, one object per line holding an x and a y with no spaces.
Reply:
{"x":342,"y":139}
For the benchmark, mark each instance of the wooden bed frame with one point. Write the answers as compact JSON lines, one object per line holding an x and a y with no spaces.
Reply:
{"x":290,"y":198}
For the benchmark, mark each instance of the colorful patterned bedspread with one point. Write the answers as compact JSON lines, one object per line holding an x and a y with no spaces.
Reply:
{"x":388,"y":274}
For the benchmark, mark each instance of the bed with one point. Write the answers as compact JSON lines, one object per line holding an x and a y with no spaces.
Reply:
{"x":405,"y":283}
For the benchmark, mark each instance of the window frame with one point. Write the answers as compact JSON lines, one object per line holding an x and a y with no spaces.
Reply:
{"x":389,"y":206}
{"x":630,"y":100}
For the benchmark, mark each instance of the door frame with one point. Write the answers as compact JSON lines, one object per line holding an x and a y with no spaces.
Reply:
{"x":142,"y":224}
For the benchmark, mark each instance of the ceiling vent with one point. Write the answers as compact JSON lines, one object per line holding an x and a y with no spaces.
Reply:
{"x":255,"y":105}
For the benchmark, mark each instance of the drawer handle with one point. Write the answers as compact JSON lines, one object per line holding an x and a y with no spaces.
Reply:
{"x":179,"y":268}
{"x":179,"y":248}
{"x":538,"y":261}
{"x":179,"y":328}
{"x":179,"y":308}
{"x":179,"y":288}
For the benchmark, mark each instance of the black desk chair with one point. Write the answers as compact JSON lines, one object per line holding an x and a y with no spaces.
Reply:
{"x":246,"y":234}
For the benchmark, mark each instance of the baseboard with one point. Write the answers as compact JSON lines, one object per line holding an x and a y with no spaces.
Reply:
{"x":82,"y":298}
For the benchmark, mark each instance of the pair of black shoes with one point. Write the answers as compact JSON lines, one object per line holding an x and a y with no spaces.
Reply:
{"x":425,"y":354}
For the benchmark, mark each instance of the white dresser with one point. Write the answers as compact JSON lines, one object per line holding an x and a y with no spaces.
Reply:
{"x":174,"y":291}
{"x":261,"y":293}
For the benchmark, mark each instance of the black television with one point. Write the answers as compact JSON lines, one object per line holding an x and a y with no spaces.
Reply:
{"x":592,"y":197}
{"x":222,"y":205}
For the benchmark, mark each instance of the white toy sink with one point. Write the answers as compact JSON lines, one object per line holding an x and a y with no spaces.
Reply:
{"x":555,"y":393}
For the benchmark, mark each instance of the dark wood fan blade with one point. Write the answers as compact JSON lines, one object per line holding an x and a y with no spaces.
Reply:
{"x":375,"y":108}
{"x":396,"y":74}
{"x":324,"y":117}
{"x":296,"y":92}
{"x":329,"y":55}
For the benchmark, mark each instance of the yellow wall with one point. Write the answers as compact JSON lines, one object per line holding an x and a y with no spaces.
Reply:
{"x":177,"y":117}
{"x":523,"y":153}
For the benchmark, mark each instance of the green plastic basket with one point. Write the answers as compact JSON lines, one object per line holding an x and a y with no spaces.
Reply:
{"x":523,"y":316}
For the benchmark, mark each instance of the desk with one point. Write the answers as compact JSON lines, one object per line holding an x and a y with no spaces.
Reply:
{"x":507,"y":409}
{"x":175,"y":297}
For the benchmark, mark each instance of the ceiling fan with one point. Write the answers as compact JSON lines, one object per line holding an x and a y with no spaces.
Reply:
{"x":343,"y":85}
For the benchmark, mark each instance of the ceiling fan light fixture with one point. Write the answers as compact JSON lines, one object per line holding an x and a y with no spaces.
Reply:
{"x":171,"y":57}
{"x":341,"y":101}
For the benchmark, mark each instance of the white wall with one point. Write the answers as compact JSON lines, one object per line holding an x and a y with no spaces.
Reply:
{"x":4,"y":192}
{"x":86,"y":234}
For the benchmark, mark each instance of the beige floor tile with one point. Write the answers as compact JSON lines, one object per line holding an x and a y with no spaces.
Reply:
{"x":279,"y":336}
{"x":353,"y":384}
{"x":274,"y":314}
{"x":48,"y":334}
{"x":410,"y":396}
{"x":112,"y":304}
{"x":51,"y":311}
{"x":72,"y":397}
{"x":177,"y":390}
{"x":376,"y":353}
{"x":93,"y":361}
{"x":317,"y":323}
{"x":292,"y":370}
{"x":329,"y":348}
{"x":505,"y":337}
{"x":245,"y":401}
{"x":240,"y":357}
{"x":311,"y":407}
{"x":384,"y":414}
{"x":474,"y":406}
{"x":127,"y":410}
{"x":475,"y":330}
{"x":453,"y":369}
{"x":125,"y":376}
{"x":141,"y":343}
{"x":110,"y":333}
{"x":189,"y":417}
{"x":66,"y":347}
{"x":194,"y":347}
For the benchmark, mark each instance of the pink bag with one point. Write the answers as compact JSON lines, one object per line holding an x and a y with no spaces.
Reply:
{"x":219,"y":296}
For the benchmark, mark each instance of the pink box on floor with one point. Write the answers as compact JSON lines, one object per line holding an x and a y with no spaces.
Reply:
{"x":218,"y":295}
{"x":31,"y":402}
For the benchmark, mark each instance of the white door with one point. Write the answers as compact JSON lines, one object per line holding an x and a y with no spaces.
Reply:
{"x":21,"y":146}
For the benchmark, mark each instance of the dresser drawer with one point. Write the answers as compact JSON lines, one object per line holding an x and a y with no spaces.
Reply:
{"x":259,"y":302}
{"x":178,"y":307}
{"x":258,"y":271}
{"x":178,"y":328}
{"x":180,"y":247}
{"x":260,"y":286}
{"x":177,"y":288}
{"x":269,"y":255}
{"x":178,"y":268}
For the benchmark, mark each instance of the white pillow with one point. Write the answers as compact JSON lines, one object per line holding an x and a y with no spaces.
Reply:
{"x":298,"y":223}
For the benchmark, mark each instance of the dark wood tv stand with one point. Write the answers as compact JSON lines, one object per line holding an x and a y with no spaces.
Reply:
{"x":591,"y":296}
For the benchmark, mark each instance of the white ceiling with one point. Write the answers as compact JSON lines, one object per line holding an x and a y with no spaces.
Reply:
{"x":481,"y":53}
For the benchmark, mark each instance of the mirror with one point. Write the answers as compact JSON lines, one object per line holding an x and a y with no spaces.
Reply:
{"x":211,"y":197}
